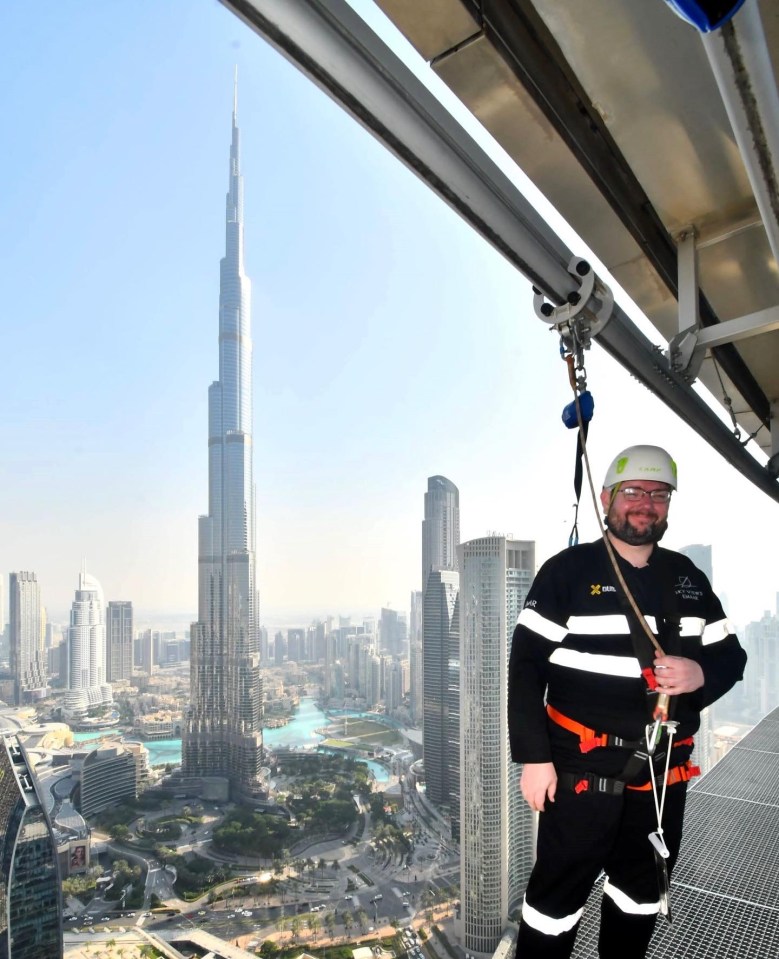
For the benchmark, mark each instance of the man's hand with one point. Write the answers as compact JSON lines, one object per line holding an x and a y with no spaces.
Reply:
{"x":539,"y":780}
{"x":676,"y":675}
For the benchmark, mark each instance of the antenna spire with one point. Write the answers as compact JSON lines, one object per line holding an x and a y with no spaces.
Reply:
{"x":235,"y":91}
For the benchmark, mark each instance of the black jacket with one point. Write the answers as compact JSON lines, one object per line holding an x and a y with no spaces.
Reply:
{"x":572,"y":647}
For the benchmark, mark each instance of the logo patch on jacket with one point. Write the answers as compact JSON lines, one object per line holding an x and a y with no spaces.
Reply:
{"x":596,"y":589}
{"x":685,"y":588}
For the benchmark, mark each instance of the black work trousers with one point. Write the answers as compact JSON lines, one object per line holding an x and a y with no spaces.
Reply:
{"x":578,"y":837}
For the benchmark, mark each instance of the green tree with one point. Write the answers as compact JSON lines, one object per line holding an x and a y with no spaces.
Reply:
{"x":119,"y":832}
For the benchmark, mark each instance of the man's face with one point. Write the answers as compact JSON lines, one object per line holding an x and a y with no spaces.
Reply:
{"x":636,"y":521}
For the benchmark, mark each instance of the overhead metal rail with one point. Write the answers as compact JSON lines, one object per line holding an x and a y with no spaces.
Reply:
{"x":335,"y":48}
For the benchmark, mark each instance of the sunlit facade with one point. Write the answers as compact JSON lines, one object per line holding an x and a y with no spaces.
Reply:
{"x":86,"y":680}
{"x":496,"y":828}
{"x":223,"y":732}
{"x":30,"y":901}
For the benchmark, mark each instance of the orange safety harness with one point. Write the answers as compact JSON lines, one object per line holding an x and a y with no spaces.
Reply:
{"x":591,"y":739}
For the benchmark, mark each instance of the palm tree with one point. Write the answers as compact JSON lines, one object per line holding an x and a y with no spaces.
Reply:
{"x":322,"y":865}
{"x":329,"y":923}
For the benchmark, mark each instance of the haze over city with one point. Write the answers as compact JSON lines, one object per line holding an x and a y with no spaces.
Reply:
{"x":390,"y":343}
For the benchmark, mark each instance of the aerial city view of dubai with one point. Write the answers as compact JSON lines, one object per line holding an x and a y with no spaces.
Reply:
{"x":391,"y":473}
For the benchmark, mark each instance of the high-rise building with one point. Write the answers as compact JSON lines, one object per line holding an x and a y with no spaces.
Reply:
{"x":496,"y":827}
{"x":440,"y":539}
{"x":30,"y":901}
{"x":86,"y":674}
{"x":107,"y":774}
{"x":119,"y":640}
{"x":415,"y":656}
{"x":393,"y":634}
{"x":701,"y":556}
{"x":441,"y":526}
{"x":223,"y":731}
{"x":439,"y":621}
{"x":27,"y":657}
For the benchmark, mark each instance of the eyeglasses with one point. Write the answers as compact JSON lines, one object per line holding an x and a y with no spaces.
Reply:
{"x":633,"y":494}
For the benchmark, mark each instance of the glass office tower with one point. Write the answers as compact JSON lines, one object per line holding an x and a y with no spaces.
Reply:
{"x":30,"y":902}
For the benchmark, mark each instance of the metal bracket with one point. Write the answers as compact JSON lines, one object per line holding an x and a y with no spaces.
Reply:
{"x":685,"y":355}
{"x":686,"y":350}
{"x":586,"y":310}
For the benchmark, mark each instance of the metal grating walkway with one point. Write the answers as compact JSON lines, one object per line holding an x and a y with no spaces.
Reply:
{"x":725,"y":890}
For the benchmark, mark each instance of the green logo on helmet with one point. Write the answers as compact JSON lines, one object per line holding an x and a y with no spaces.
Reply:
{"x":622,"y":462}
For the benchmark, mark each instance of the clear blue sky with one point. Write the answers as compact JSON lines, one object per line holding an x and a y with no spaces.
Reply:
{"x":390,"y":342}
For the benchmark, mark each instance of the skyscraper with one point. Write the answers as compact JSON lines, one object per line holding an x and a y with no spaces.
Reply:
{"x":430,"y":653}
{"x":415,"y":654}
{"x":86,"y":679}
{"x":496,"y":828}
{"x":441,"y":526}
{"x":393,"y":636}
{"x":701,"y":556}
{"x":223,"y":732}
{"x":30,"y":902}
{"x":119,"y":640}
{"x":438,"y":738}
{"x":28,"y":663}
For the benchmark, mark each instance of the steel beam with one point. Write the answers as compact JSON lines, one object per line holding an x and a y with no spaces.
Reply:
{"x":338,"y":51}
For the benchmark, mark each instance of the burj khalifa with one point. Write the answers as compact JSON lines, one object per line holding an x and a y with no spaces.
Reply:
{"x":222,"y":741}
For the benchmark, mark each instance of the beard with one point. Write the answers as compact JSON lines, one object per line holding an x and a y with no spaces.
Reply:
{"x":623,"y":530}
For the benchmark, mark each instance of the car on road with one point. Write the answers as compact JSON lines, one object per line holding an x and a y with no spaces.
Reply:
{"x":347,"y":896}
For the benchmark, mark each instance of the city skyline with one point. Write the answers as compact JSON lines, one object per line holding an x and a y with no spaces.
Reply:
{"x":395,"y":345}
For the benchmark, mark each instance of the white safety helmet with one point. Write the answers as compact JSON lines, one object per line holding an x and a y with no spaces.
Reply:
{"x":641,"y":463}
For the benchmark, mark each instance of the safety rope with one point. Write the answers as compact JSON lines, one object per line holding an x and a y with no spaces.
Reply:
{"x":661,"y":709}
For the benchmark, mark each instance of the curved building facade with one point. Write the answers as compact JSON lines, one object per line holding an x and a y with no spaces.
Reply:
{"x":30,"y":901}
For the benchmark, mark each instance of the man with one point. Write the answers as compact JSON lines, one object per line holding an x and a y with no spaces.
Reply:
{"x":584,"y":685}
